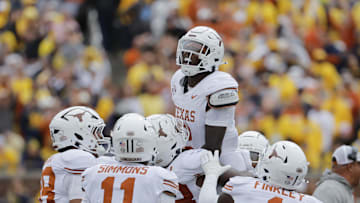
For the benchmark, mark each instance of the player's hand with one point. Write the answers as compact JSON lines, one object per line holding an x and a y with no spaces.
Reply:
{"x":211,"y":165}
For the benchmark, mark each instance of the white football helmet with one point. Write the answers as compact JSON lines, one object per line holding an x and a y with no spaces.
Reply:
{"x":134,"y":139}
{"x":201,"y":49}
{"x":254,"y":142}
{"x":80,"y":127}
{"x":284,"y":165}
{"x":172,"y":136}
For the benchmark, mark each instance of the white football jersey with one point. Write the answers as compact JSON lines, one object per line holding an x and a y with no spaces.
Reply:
{"x":187,"y":167}
{"x":54,"y":182}
{"x":127,"y":182}
{"x":106,"y":160}
{"x":191,"y":106}
{"x":253,"y":190}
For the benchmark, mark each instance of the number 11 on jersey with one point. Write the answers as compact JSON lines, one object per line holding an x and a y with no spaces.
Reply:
{"x":128,"y":186}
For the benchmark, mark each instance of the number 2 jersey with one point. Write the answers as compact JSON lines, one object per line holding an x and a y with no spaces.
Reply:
{"x":192,"y":107}
{"x":253,"y":190}
{"x":61,"y":175}
{"x":128,"y":183}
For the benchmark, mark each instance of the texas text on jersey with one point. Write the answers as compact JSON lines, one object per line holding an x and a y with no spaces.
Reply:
{"x":193,"y":106}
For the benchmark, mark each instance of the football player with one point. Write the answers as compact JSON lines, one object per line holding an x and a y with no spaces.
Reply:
{"x":172,"y":137}
{"x":255,"y":143}
{"x":203,"y":96}
{"x":76,"y":133}
{"x":130,"y":178}
{"x":281,"y":169}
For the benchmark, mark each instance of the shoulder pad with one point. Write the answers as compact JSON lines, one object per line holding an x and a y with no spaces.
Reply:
{"x":76,"y":161}
{"x":219,"y":80}
{"x":225,"y":97}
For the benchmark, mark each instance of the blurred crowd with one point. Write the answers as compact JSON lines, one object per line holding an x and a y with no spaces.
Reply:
{"x":297,"y":64}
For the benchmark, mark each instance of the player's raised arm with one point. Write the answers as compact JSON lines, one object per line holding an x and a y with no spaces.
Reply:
{"x":212,"y":168}
{"x":219,"y":115}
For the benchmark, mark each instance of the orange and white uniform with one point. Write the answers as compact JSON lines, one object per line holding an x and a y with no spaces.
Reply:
{"x":191,"y":107}
{"x":211,"y":102}
{"x":127,"y":182}
{"x":253,"y":190}
{"x":187,"y":167}
{"x":61,"y":176}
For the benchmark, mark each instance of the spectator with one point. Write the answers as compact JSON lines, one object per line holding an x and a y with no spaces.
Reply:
{"x":336,"y":186}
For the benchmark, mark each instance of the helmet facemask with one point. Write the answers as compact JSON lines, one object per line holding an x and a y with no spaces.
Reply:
{"x":200,"y":50}
{"x":103,"y":143}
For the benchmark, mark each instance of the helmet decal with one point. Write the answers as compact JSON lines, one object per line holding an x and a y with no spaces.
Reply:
{"x":275,"y":154}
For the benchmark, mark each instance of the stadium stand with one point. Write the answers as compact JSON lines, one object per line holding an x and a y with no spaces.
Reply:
{"x":297,"y":64}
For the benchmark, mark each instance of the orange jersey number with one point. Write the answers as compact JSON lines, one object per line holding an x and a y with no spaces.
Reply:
{"x":275,"y":200}
{"x":127,"y":186}
{"x":47,"y":185}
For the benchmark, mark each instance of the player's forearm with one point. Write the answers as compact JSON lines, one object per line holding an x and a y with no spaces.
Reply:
{"x":208,"y":190}
{"x":214,"y":136}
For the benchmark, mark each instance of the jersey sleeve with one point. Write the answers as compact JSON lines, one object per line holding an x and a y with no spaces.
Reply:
{"x":168,"y":181}
{"x":76,"y":161}
{"x":220,"y":117}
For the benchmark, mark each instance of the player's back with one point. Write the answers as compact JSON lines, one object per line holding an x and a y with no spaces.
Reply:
{"x":57,"y":170}
{"x":253,"y":190}
{"x":128,"y":183}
